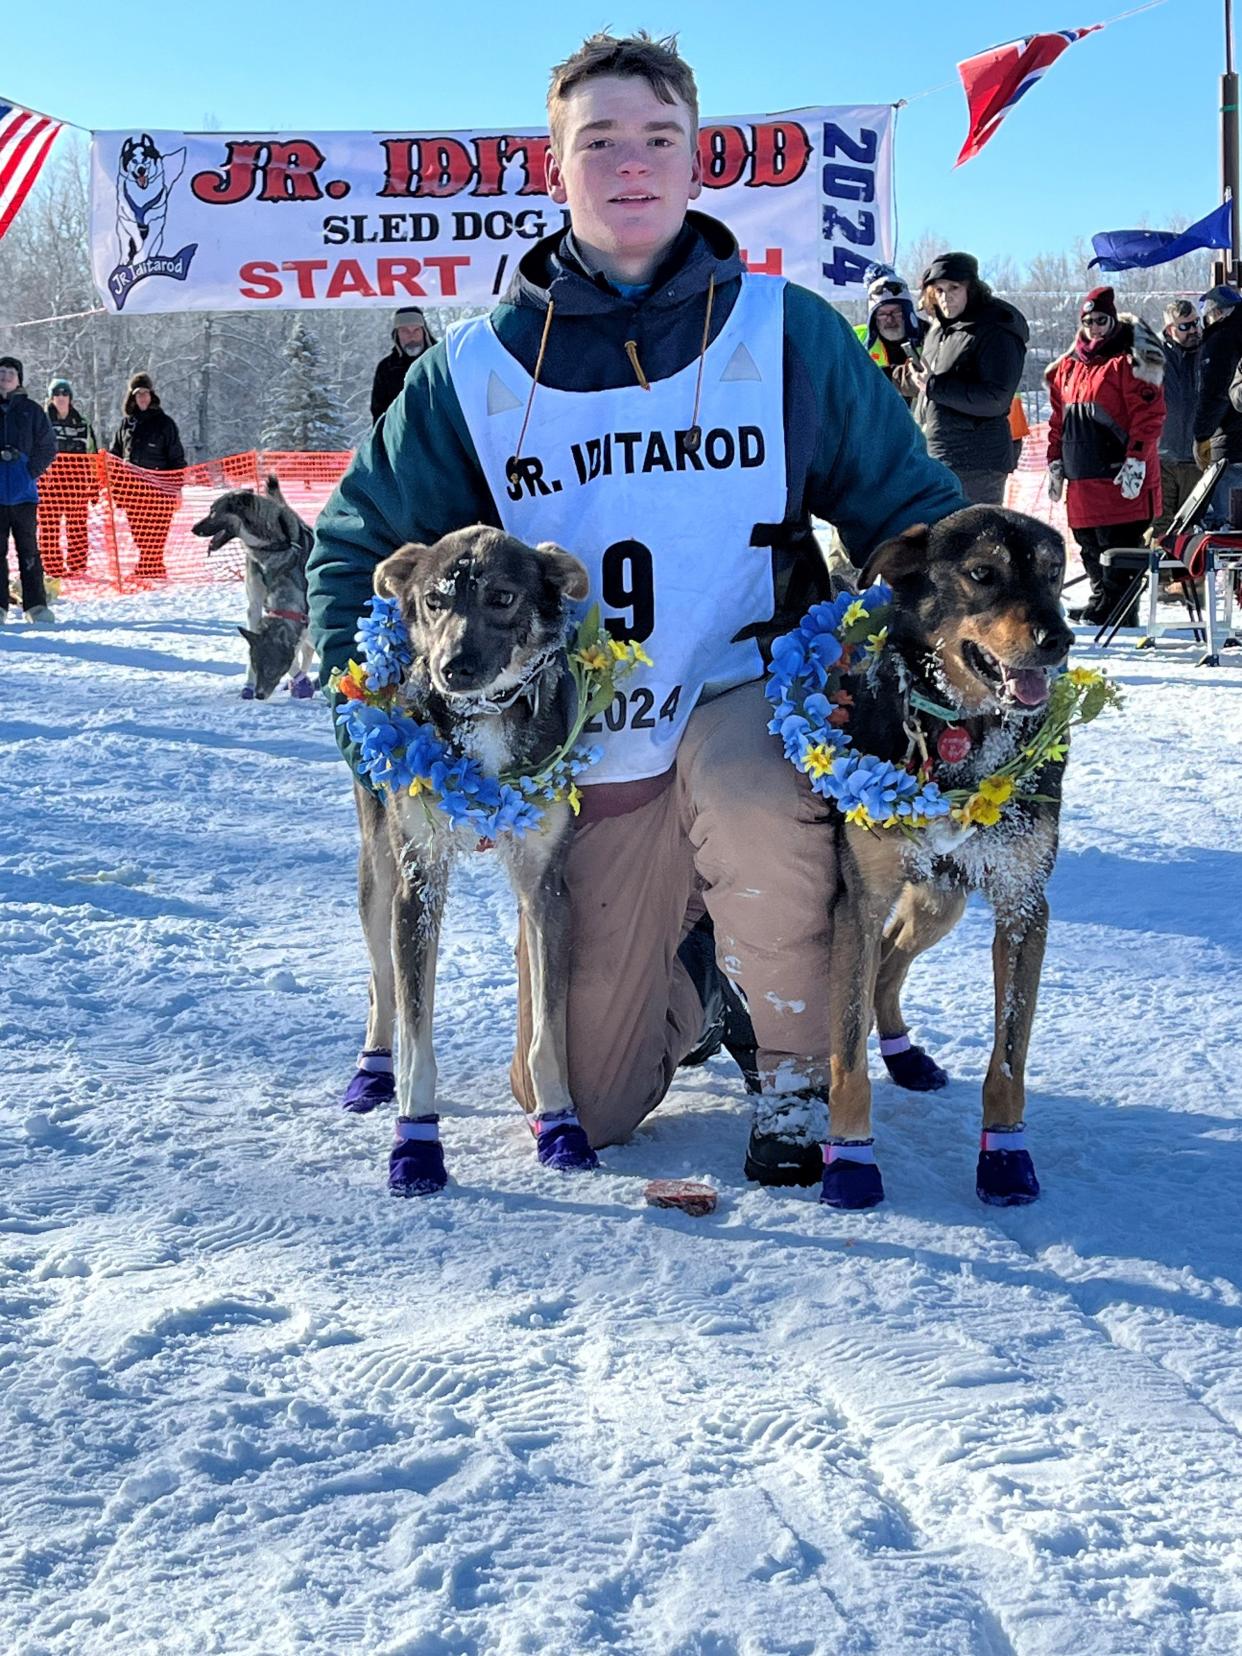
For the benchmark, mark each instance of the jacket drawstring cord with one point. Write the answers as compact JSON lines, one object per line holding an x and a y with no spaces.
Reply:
{"x":693,"y":437}
{"x":513,"y":474}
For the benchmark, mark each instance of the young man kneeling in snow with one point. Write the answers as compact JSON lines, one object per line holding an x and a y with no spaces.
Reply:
{"x":641,"y":400}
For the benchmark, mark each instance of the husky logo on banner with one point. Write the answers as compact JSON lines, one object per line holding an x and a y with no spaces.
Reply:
{"x":144,"y":181}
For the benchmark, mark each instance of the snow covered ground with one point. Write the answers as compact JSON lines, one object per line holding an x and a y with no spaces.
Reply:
{"x":251,"y":1404}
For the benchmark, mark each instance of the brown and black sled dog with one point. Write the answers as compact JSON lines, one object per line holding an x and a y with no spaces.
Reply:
{"x":976,"y":631}
{"x":487,"y":618}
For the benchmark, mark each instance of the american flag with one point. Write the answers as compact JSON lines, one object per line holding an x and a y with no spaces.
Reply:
{"x":997,"y":78}
{"x":25,"y":140}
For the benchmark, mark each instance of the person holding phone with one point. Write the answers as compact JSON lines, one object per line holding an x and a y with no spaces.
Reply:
{"x":893,"y":332}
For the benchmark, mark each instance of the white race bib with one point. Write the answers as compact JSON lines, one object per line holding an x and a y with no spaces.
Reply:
{"x":664,"y":532}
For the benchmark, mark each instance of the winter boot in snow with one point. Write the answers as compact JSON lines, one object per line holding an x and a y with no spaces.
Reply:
{"x":416,"y":1161}
{"x":1005,"y":1176}
{"x":561,"y":1143}
{"x":373,"y":1082}
{"x":851,"y":1177}
{"x":785,"y":1138}
{"x":909,"y":1066}
{"x":726,"y":1022}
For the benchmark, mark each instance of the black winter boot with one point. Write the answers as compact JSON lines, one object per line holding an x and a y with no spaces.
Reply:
{"x":726,"y":1022}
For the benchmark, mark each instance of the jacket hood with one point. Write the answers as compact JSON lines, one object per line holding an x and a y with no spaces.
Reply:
{"x":552,"y":270}
{"x":992,"y":313}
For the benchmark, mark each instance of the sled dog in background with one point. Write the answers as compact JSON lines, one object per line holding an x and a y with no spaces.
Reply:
{"x":487,"y":621}
{"x":277,"y":543}
{"x":144,"y":178}
{"x":975,"y":634}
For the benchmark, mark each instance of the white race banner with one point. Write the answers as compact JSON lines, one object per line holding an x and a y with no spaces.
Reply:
{"x":219,"y":221}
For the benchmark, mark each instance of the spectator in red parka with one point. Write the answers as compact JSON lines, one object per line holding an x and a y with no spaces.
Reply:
{"x":1103,"y":439}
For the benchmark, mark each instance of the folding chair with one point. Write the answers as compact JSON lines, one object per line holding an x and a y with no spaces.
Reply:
{"x":1194,"y":558}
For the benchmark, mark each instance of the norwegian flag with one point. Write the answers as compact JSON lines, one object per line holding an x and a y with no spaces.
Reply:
{"x":25,"y":140}
{"x":997,"y":78}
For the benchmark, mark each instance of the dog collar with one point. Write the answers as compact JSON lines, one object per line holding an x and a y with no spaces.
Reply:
{"x":938,"y":710}
{"x":289,"y":615}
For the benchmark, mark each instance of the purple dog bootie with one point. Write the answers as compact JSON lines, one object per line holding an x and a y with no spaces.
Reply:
{"x":373,"y":1082}
{"x":851,"y":1177}
{"x":247,"y":692}
{"x":416,"y":1161}
{"x":302,"y":687}
{"x":1005,"y":1176}
{"x":909,"y":1066}
{"x":561,"y":1143}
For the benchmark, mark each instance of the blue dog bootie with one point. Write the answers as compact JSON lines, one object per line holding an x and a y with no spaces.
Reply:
{"x":302,"y":687}
{"x":851,"y":1177}
{"x":416,"y":1161}
{"x":1005,"y":1176}
{"x":909,"y":1066}
{"x":561,"y":1143}
{"x":373,"y":1082}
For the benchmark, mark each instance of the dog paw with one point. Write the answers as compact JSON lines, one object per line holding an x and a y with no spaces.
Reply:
{"x":850,"y":1184}
{"x":416,"y":1168}
{"x":366,"y":1090}
{"x":302,"y":687}
{"x":1006,"y":1178}
{"x":916,"y":1070}
{"x":248,"y":692}
{"x":566,"y":1148}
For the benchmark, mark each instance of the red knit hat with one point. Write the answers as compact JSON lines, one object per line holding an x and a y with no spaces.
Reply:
{"x":1099,"y":302}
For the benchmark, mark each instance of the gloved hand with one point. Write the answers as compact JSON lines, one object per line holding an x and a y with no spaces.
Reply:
{"x":1203,"y":453}
{"x":1130,"y":479}
{"x":1056,"y":479}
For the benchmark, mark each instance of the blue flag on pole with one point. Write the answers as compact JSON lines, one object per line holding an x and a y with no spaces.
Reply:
{"x":1134,"y":249}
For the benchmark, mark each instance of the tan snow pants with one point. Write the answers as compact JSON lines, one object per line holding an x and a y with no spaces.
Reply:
{"x":740,"y":832}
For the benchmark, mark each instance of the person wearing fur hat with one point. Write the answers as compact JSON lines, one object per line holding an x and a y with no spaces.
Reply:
{"x":893,"y":332}
{"x":1103,"y":437}
{"x":972,"y":362}
{"x":27,"y":449}
{"x":410,"y":338}
{"x":65,"y":516}
{"x":147,"y":439}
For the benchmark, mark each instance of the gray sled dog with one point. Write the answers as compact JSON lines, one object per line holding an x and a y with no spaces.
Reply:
{"x":487,"y":622}
{"x":277,"y":543}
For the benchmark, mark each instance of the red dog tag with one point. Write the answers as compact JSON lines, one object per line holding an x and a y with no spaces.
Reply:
{"x":953,"y":744}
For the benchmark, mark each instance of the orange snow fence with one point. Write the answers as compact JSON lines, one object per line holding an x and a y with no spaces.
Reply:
{"x":105,"y":526}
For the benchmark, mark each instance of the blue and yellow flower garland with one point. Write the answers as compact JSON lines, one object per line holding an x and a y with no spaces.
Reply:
{"x":811,"y":713}
{"x":400,"y":755}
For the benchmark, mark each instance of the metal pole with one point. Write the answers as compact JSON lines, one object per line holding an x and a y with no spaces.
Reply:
{"x":1229,"y":149}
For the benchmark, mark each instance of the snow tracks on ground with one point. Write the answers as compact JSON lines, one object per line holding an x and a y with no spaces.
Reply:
{"x":251,"y":1405}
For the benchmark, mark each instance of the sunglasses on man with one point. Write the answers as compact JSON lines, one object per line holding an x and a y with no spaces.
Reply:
{"x":1097,"y":321}
{"x":1186,"y":327}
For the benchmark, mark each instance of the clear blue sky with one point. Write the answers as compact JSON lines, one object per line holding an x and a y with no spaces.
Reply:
{"x":1121,"y":132}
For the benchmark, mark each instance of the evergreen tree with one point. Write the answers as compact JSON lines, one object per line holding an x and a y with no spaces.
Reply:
{"x":304,"y":412}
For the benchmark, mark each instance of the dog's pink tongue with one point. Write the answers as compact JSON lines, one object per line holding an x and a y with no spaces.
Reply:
{"x":1028,"y":685}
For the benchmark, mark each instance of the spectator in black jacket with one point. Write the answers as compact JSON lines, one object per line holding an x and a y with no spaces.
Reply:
{"x":1180,"y":342}
{"x":27,"y":449}
{"x":63,"y":503}
{"x":972,"y":363}
{"x":148,"y":440}
{"x":1217,"y":424}
{"x":410,"y":338}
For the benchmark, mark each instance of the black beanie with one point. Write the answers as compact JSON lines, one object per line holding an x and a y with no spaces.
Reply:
{"x":951,"y":267}
{"x":14,"y":363}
